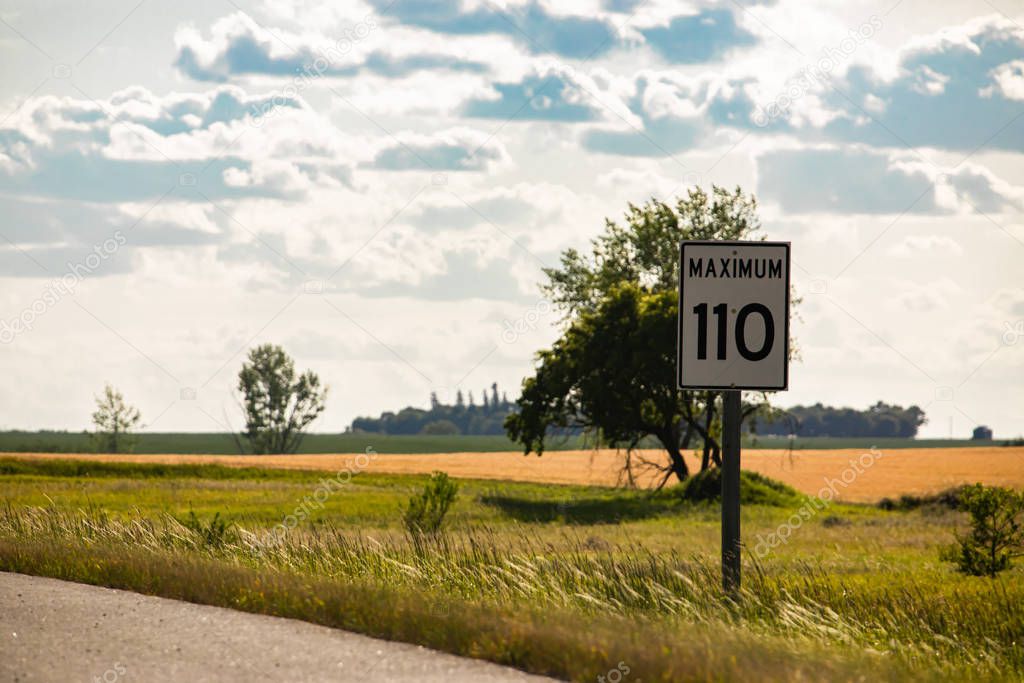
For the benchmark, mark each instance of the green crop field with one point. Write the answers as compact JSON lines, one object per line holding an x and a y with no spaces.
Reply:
{"x":568,"y":581}
{"x":222,"y":443}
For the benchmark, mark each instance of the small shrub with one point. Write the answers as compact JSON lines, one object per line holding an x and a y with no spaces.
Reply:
{"x":426,"y":510}
{"x":996,"y":534}
{"x":212,"y":534}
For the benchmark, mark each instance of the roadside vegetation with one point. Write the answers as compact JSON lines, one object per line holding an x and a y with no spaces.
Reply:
{"x":426,"y":511}
{"x":996,"y":537}
{"x":561,"y":580}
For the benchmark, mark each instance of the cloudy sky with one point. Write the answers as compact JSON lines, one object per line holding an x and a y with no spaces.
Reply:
{"x":376,"y":186}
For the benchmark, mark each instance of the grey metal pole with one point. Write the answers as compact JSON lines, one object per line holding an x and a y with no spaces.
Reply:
{"x":731,"y":419}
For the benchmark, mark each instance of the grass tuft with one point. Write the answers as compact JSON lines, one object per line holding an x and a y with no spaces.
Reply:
{"x":755,"y":489}
{"x":950,"y":499}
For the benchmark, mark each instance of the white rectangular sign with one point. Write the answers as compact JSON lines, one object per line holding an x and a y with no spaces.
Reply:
{"x":734,"y":315}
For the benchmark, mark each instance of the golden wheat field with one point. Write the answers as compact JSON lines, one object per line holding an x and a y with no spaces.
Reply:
{"x":854,"y":475}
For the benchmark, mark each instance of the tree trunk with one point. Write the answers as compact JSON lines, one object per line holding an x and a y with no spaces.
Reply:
{"x":709,"y":416}
{"x":670,"y":440}
{"x":679,"y":467}
{"x":687,"y":437}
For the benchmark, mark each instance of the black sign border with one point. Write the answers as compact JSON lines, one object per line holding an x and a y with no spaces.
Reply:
{"x":679,"y":330}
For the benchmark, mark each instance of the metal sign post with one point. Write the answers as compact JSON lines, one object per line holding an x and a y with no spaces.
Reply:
{"x":731,"y":492}
{"x":733,"y":335}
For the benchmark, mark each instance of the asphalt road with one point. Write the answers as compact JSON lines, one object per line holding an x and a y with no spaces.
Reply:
{"x":58,"y":631}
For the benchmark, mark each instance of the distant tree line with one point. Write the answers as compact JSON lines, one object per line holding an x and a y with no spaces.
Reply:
{"x":880,"y":420}
{"x":280,"y":403}
{"x":465,"y":416}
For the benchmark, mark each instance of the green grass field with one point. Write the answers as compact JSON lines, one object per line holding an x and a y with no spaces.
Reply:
{"x":563,"y":580}
{"x":222,"y":443}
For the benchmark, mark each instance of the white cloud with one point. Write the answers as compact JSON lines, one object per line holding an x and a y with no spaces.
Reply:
{"x":1009,"y":80}
{"x":915,"y":246}
{"x":456,"y":149}
{"x":133,"y":145}
{"x":241,"y":48}
{"x":942,"y":94}
{"x":862,"y":180}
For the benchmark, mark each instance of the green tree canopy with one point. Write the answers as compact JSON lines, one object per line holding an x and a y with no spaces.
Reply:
{"x":881,"y":420}
{"x":115,"y":422}
{"x":645,"y":250}
{"x":278,"y":404}
{"x":613,"y":370}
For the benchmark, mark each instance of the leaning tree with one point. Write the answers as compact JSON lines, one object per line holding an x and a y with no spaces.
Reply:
{"x":612,"y":372}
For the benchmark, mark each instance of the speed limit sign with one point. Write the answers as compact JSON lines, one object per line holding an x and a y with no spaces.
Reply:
{"x":734,"y":315}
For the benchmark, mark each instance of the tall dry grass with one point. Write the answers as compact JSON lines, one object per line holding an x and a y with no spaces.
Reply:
{"x":495,"y":593}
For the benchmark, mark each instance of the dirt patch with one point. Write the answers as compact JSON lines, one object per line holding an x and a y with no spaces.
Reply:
{"x":853,"y":474}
